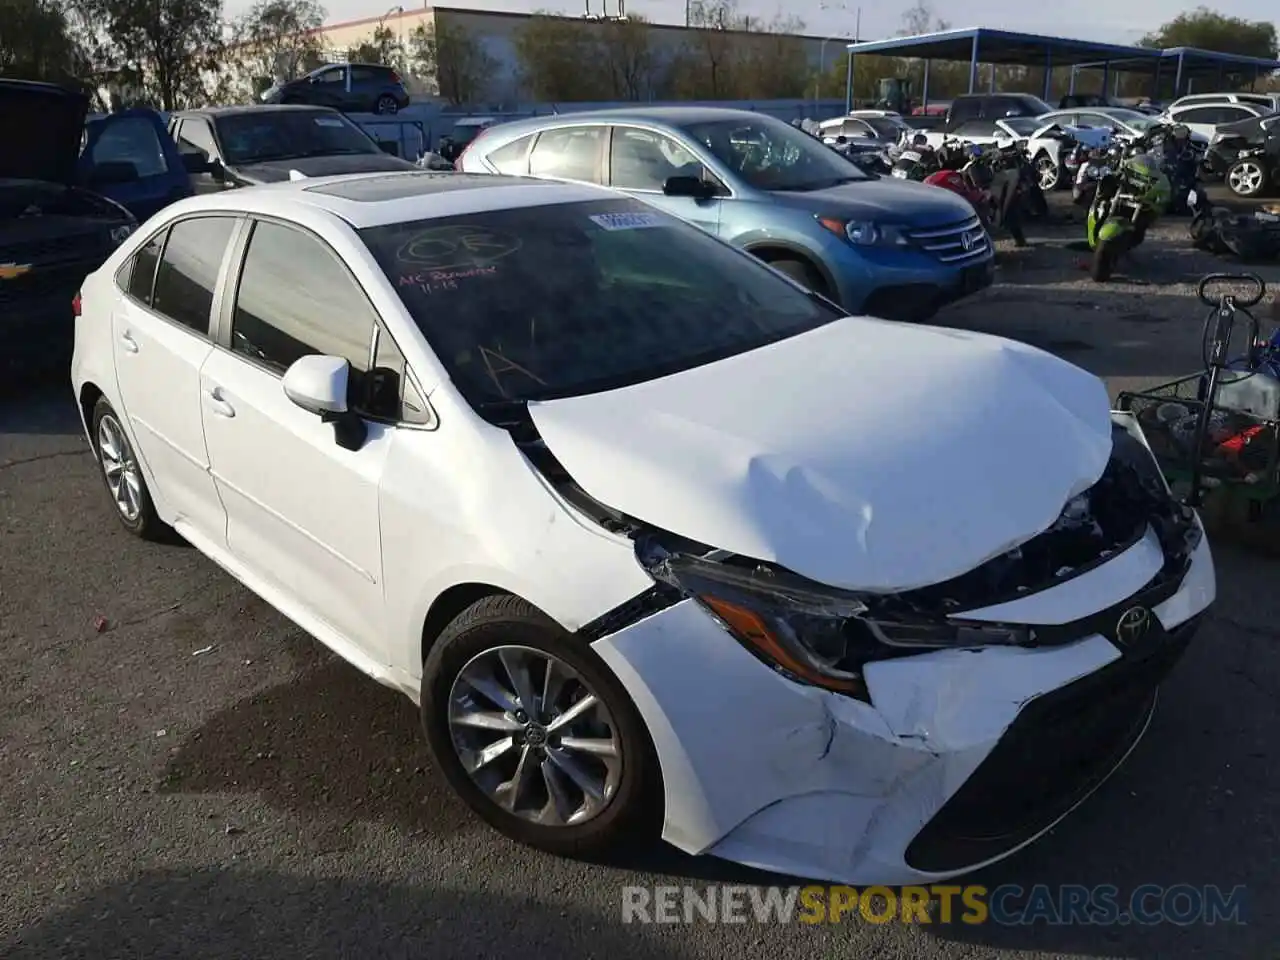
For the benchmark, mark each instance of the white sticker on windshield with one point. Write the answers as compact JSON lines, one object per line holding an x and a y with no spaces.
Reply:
{"x":627,"y":221}
{"x":328,"y":122}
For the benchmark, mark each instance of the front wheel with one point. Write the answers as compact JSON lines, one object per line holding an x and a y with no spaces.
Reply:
{"x":535,"y":733}
{"x":1247,"y":177}
{"x":1048,"y":173}
{"x":1105,"y":256}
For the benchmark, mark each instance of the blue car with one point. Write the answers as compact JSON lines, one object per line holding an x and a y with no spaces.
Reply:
{"x":130,"y":158}
{"x":349,"y":87}
{"x":874,"y":245}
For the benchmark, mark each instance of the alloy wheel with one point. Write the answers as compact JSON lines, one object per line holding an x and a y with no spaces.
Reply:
{"x":1245,"y":178}
{"x":1047,"y":171}
{"x":120,"y":467}
{"x":533,"y":736}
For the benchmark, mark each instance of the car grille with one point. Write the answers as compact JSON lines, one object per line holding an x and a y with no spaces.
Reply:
{"x":1057,"y":751}
{"x":947,"y":242}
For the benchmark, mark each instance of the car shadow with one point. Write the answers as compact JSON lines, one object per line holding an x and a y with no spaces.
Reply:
{"x":46,"y":408}
{"x":216,"y":913}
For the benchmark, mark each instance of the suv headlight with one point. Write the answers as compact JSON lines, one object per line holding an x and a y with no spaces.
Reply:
{"x":865,"y":233}
{"x":812,"y":633}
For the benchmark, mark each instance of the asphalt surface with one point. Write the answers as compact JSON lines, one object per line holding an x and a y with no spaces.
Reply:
{"x":199,"y":779}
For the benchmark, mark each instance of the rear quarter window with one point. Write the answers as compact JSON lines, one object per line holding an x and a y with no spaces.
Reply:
{"x":513,"y":158}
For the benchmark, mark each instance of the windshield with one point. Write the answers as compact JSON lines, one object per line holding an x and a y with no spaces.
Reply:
{"x":260,"y":135}
{"x":886,"y":128}
{"x":771,"y":155}
{"x":1026,"y":126}
{"x":552,"y":301}
{"x":1132,"y":118}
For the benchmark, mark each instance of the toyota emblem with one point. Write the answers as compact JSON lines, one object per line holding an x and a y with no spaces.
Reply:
{"x":1133,"y":625}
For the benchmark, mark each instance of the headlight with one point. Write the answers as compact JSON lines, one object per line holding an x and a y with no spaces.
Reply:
{"x":812,"y":633}
{"x":865,"y":233}
{"x":120,"y":234}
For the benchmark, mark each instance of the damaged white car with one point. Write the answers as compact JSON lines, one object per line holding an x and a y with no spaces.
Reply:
{"x":649,"y":532}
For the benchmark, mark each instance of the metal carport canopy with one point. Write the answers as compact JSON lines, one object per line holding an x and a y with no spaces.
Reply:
{"x":981,"y":45}
{"x":1193,"y":63}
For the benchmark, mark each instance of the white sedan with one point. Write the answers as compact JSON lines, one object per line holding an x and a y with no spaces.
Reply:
{"x":1129,"y":123}
{"x":1046,"y":151}
{"x":546,"y":460}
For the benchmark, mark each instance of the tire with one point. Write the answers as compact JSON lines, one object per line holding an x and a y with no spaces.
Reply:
{"x":802,"y":272}
{"x":118,"y":464}
{"x":470,"y":644}
{"x":1048,"y":173}
{"x":1247,"y":178}
{"x":386,"y":104}
{"x":1104,"y":261}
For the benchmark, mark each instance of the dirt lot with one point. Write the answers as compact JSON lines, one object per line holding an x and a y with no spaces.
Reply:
{"x":201,"y":780}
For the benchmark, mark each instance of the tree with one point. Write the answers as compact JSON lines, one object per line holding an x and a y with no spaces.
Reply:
{"x":172,"y":46}
{"x":278,"y":39}
{"x":381,"y":47}
{"x":39,"y":42}
{"x":706,"y":68}
{"x":455,"y":59}
{"x":1210,"y":30}
{"x":558,"y":58}
{"x":627,"y":57}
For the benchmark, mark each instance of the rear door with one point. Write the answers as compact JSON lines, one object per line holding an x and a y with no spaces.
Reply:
{"x":160,"y":330}
{"x":130,"y":157}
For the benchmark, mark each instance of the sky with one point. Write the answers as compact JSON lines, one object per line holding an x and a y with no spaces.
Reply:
{"x":1121,"y":23}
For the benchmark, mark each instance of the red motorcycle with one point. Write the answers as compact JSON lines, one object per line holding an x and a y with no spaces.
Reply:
{"x":957,"y":183}
{"x":994,"y":196}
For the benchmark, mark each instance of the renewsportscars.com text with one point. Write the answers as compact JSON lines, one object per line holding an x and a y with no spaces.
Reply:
{"x":1007,"y":905}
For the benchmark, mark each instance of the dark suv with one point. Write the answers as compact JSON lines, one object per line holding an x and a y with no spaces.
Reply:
{"x":350,"y":87}
{"x":993,"y":106}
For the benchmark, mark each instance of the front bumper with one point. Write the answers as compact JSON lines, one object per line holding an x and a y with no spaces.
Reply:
{"x":961,"y":758}
{"x":922,"y":297}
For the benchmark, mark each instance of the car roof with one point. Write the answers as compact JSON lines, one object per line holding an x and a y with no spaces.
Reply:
{"x":374,"y":199}
{"x":670,"y":116}
{"x":258,"y":108}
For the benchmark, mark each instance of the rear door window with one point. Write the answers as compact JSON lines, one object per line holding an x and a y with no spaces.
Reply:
{"x":140,"y":275}
{"x":1198,"y":115}
{"x":513,"y":158}
{"x":962,"y":110}
{"x":571,"y":153}
{"x":188,"y":271}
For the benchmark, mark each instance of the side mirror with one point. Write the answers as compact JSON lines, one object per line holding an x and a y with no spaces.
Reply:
{"x":318,"y":384}
{"x":216,"y":170}
{"x":195,"y":163}
{"x":694,"y":187}
{"x":389,"y":146}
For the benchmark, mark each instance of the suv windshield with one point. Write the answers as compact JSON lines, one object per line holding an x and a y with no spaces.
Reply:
{"x":262,"y":134}
{"x":772,"y":155}
{"x":552,"y":301}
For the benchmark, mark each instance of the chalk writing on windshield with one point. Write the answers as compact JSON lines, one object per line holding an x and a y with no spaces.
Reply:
{"x":436,"y":281}
{"x":456,"y":247}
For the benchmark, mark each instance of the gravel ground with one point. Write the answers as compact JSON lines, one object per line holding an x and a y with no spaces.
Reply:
{"x":199,"y":779}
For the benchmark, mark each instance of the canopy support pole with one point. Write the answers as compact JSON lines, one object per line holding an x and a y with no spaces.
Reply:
{"x":1106,"y":76}
{"x":973,"y":64}
{"x":1048,"y":74}
{"x":848,"y":85}
{"x":1177,"y":79}
{"x":924,"y":94}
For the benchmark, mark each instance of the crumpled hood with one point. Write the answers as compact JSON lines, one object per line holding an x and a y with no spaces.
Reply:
{"x":885,"y":200}
{"x":865,"y":454}
{"x":277,"y":171}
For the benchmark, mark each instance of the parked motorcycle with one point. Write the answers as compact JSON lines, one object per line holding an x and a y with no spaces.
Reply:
{"x":1126,"y":203}
{"x":993,"y":190}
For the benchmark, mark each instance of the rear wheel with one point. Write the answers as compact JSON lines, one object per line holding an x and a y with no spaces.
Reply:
{"x":122,"y":475}
{"x":386,"y":104}
{"x":1247,"y":178}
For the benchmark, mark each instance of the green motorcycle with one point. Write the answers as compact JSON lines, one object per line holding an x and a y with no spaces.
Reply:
{"x":1127,"y":202}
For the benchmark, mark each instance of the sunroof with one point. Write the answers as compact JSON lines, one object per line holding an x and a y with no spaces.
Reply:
{"x":398,"y":186}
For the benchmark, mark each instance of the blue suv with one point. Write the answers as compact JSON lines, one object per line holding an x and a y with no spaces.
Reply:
{"x":874,"y":245}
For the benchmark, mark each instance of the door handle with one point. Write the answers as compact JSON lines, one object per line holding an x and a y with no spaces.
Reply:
{"x":218,"y":403}
{"x":126,"y":340}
